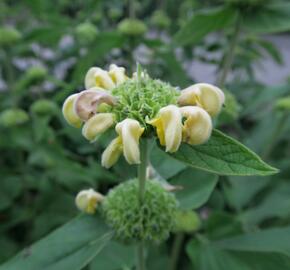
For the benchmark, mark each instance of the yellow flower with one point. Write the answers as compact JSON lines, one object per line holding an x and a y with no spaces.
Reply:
{"x":117,"y":74}
{"x":130,"y":132}
{"x":87,"y":200}
{"x":97,"y":77}
{"x":168,"y":125}
{"x":97,"y":124}
{"x":69,"y":113}
{"x":197,"y":126}
{"x":206,"y":96}
{"x":87,"y":102}
{"x":112,"y":153}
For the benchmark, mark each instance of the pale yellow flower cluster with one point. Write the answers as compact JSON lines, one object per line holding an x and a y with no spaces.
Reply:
{"x":191,"y":121}
{"x":187,"y":121}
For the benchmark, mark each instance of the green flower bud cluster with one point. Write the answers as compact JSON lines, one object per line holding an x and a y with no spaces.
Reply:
{"x":13,"y":117}
{"x":283,"y":103}
{"x":187,"y":221}
{"x":160,"y":19}
{"x":8,"y":36}
{"x":115,"y":13}
{"x":34,"y":75}
{"x":86,"y":33}
{"x":132,"y":27}
{"x":43,"y":107}
{"x":142,"y":99}
{"x":151,"y":222}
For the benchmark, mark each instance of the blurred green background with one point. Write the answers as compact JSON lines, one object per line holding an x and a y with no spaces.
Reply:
{"x":46,"y":48}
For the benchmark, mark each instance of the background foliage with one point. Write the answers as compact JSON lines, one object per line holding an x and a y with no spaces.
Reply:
{"x":46,"y":47}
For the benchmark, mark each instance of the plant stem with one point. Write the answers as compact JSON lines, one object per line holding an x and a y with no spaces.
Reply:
{"x":142,"y":169}
{"x":229,"y":55}
{"x":141,"y":257}
{"x":9,"y":71}
{"x":132,"y":13}
{"x":275,"y":135}
{"x":178,"y":240}
{"x":142,"y":183}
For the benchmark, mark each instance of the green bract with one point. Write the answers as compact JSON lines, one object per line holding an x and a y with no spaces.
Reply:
{"x":150,"y":222}
{"x":142,"y":99}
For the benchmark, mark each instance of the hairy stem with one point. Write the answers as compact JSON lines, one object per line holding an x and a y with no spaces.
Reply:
{"x":178,"y":240}
{"x":229,"y":57}
{"x":142,"y":182}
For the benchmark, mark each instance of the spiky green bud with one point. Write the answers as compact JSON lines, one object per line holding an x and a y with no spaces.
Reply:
{"x":142,"y":99}
{"x":150,"y":222}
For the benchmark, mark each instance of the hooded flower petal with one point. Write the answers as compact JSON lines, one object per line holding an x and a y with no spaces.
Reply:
{"x":112,"y":153}
{"x":98,"y":77}
{"x":117,"y":74}
{"x":169,"y":127}
{"x":130,"y":132}
{"x":206,"y":96}
{"x":69,"y":113}
{"x":87,"y":200}
{"x":86,"y":104}
{"x":197,"y":126}
{"x":97,"y":124}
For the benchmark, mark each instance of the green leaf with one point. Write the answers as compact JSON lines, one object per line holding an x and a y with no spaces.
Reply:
{"x":10,"y":188}
{"x":237,"y":189}
{"x":271,"y":240}
{"x":274,"y":205}
{"x":174,"y":71}
{"x":114,"y":256}
{"x":165,"y":165}
{"x":223,"y":155}
{"x":271,"y":18}
{"x":221,"y":225}
{"x":96,"y":53}
{"x":202,"y":23}
{"x":272,"y":50}
{"x":206,"y":256}
{"x":197,"y":187}
{"x":70,"y":247}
